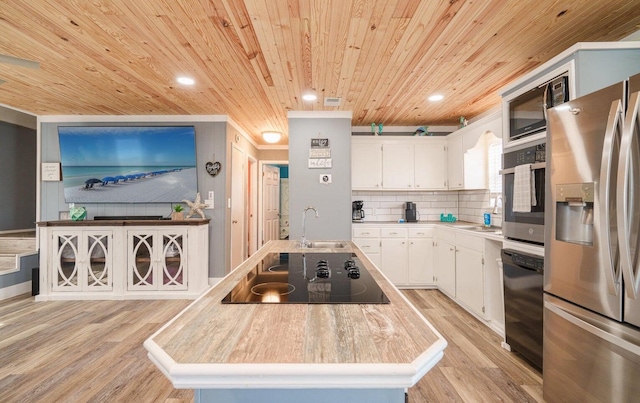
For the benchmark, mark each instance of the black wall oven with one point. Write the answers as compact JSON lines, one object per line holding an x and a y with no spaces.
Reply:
{"x":524,"y":226}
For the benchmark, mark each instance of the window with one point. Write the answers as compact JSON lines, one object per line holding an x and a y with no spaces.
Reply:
{"x":495,"y":164}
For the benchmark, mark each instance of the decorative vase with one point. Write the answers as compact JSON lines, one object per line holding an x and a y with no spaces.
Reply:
{"x":177,"y":216}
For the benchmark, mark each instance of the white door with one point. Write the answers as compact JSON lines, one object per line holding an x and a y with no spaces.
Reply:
{"x":238,"y":240}
{"x":271,"y":203}
{"x":252,"y":206}
{"x":455,"y":163}
{"x":470,"y":279}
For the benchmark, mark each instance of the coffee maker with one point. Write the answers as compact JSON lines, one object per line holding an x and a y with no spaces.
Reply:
{"x":410,"y":212}
{"x":357,"y":213}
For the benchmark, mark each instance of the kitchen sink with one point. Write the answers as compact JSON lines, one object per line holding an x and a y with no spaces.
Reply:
{"x":324,"y":245}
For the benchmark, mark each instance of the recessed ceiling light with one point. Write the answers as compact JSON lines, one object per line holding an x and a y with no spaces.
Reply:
{"x":309,"y":97}
{"x":436,"y":97}
{"x":186,"y":80}
{"x":271,"y":137}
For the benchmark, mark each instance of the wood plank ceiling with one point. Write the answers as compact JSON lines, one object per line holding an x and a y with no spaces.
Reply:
{"x":253,"y":59}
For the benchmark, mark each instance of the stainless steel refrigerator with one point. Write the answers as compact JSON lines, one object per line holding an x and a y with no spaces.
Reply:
{"x":592,"y":248}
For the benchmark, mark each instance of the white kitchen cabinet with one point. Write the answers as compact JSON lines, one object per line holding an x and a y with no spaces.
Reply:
{"x":460,"y":268}
{"x":470,"y":279}
{"x":156,"y":260}
{"x":446,"y":267}
{"x":468,"y":153}
{"x":421,"y":261}
{"x":411,"y":163}
{"x":455,"y":163}
{"x":398,"y":161}
{"x":395,"y":260}
{"x":82,"y":260}
{"x":404,"y":253}
{"x":430,"y":166}
{"x":368,"y":240}
{"x":121,"y":259}
{"x":366,"y":166}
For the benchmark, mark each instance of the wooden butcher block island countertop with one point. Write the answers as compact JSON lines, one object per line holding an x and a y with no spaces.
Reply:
{"x":211,"y":345}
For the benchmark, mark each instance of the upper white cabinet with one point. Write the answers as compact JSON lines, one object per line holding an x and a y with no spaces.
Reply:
{"x":366,"y":165}
{"x":468,"y":152}
{"x":411,"y":163}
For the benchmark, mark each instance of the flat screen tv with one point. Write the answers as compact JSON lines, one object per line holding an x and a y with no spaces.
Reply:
{"x":128,"y":164}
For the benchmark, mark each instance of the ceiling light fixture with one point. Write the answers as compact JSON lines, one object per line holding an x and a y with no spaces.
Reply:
{"x":186,"y":80}
{"x":309,"y":97}
{"x":271,"y":137}
{"x":436,"y":97}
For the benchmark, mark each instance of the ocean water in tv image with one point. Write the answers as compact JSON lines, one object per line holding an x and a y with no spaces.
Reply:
{"x":132,"y":164}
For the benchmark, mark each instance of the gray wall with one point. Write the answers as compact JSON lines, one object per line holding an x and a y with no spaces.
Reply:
{"x":333,"y":201}
{"x":18,"y":181}
{"x":210,"y":140}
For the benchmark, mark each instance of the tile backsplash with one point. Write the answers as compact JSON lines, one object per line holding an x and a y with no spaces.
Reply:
{"x":467,"y":205}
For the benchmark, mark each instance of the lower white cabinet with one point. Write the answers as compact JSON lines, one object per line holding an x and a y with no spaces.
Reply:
{"x":470,"y":279}
{"x":120,"y":260}
{"x":446,"y":267}
{"x":404,"y":253}
{"x":460,"y":270}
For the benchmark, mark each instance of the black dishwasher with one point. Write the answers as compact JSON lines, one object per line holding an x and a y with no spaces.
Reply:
{"x":523,"y":288}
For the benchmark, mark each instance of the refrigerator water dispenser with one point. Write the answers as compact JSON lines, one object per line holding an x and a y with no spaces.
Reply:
{"x":574,"y":213}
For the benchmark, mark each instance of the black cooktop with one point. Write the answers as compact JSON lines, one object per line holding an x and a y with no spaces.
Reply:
{"x":307,"y":278}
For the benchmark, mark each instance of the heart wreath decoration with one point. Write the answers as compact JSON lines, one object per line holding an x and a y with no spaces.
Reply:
{"x":213,"y":168}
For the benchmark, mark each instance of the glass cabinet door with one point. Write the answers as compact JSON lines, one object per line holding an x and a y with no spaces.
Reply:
{"x":98,"y":267}
{"x":141,"y":262}
{"x":174,"y":275}
{"x":65,"y":270}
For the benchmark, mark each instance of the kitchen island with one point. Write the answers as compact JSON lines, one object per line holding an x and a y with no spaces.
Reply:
{"x":296,"y":352}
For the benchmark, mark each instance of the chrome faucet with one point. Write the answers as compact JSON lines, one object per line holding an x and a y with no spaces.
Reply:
{"x":303,"y":241}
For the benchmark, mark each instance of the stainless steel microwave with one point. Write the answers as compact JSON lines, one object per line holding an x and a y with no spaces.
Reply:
{"x":527,"y":112}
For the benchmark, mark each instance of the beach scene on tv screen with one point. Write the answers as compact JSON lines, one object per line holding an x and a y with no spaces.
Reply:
{"x":132,"y":164}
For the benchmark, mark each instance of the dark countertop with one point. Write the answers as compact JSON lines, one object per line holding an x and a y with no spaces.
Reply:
{"x":115,"y":223}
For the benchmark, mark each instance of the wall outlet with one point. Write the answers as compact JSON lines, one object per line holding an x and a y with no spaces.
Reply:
{"x":210,"y":195}
{"x":209,"y":203}
{"x":64,"y":215}
{"x":325,"y":179}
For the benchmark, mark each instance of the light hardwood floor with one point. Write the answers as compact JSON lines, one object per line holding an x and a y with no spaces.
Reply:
{"x":91,"y":351}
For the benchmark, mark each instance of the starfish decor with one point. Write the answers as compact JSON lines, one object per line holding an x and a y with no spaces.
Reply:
{"x":196,"y":206}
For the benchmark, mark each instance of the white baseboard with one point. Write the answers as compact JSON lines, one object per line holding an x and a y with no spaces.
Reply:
{"x":15,"y":290}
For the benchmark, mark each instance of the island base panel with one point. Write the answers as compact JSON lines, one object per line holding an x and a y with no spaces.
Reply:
{"x":299,"y":395}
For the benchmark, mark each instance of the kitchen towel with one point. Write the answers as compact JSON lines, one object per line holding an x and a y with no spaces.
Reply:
{"x":523,"y":186}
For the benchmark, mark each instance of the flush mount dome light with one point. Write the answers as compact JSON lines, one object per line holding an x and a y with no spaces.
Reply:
{"x":436,"y":97}
{"x":271,"y":137}
{"x":309,"y":97}
{"x":186,"y":80}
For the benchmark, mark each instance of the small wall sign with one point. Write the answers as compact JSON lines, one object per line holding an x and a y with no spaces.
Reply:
{"x":51,"y":172}
{"x":316,"y":163}
{"x":213,"y":168}
{"x":319,"y":143}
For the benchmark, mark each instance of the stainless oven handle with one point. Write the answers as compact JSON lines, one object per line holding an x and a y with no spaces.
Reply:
{"x":624,"y":231}
{"x":604,"y":198}
{"x":537,"y":165}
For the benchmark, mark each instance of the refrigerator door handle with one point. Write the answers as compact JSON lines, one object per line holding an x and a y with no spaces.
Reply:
{"x":614,"y":126}
{"x":591,"y":327}
{"x":632,"y":280}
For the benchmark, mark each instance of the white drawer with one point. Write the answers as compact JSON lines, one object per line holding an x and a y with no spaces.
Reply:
{"x":394,"y":232}
{"x":420,"y":232}
{"x":366,"y":232}
{"x":368,"y":245}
